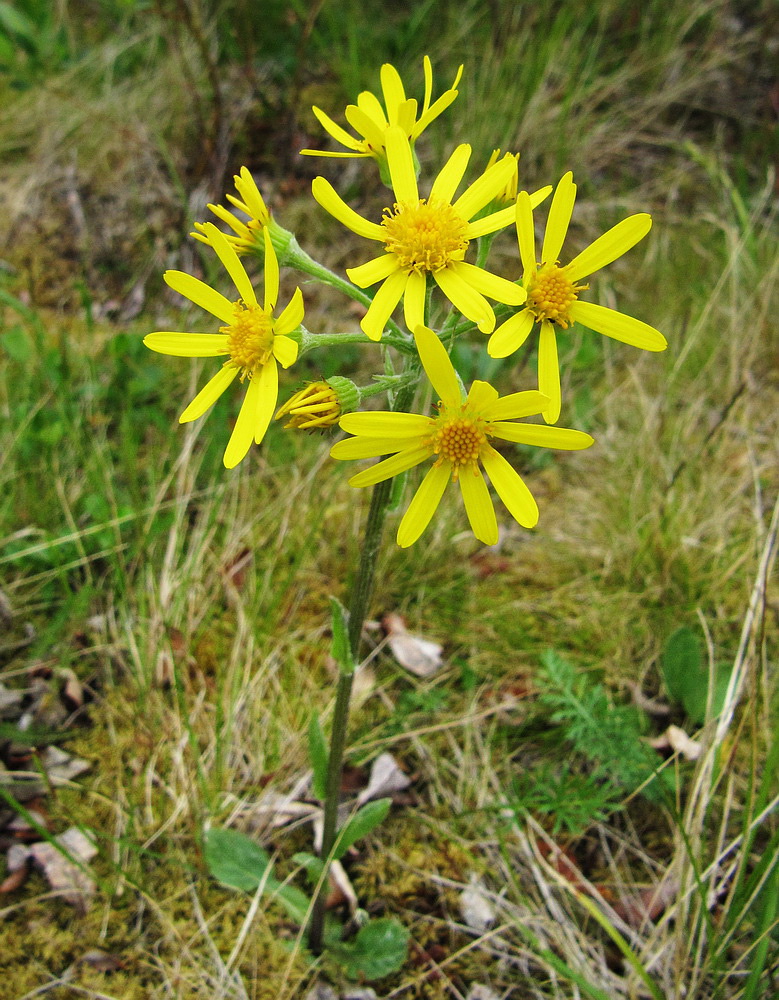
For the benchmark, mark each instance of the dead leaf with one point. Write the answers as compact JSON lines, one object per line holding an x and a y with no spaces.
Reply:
{"x":72,"y":691}
{"x":419,"y":656}
{"x":102,"y":961}
{"x":62,"y":767}
{"x":480,"y":992}
{"x":63,"y":875}
{"x":676,"y":739}
{"x":341,"y":890}
{"x":6,"y":610}
{"x":10,"y":700}
{"x":321,"y":992}
{"x":386,"y":778}
{"x":475,"y":906}
{"x":648,"y":904}
{"x":15,"y":880}
{"x":234,"y":571}
{"x":646,"y":704}
{"x":163,"y":669}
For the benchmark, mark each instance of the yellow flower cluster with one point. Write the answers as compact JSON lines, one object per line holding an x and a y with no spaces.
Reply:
{"x":424,"y":236}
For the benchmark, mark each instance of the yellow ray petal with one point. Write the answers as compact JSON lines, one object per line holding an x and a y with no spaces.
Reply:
{"x":231,"y":263}
{"x":510,"y":488}
{"x":271,"y":275}
{"x":559,"y":218}
{"x":384,"y":301}
{"x":449,"y":178}
{"x":526,"y":236}
{"x":517,"y":404}
{"x":285,"y":351}
{"x":187,"y":345}
{"x":414,"y":300}
{"x":390,"y":467}
{"x":243,"y":432}
{"x":549,"y":372}
{"x":209,"y":394}
{"x":362,"y":447}
{"x":481,"y":396}
{"x":392,"y":88}
{"x":616,"y":242}
{"x":511,"y":335}
{"x":464,"y":297}
{"x":478,"y":506}
{"x":424,"y":504}
{"x":428,"y":71}
{"x":339,"y":134}
{"x":407,"y":115}
{"x":401,"y":165}
{"x":247,"y":188}
{"x":291,"y":317}
{"x":268,"y":389}
{"x":370,"y":105}
{"x":386,"y":424}
{"x":505,"y":217}
{"x":541,"y":436}
{"x":489,"y":284}
{"x":618,"y":326}
{"x":438,"y":367}
{"x":365,"y":125}
{"x":201,"y":294}
{"x":483,"y":189}
{"x":335,"y":153}
{"x":324,"y":193}
{"x":232,"y":221}
{"x":373,"y":270}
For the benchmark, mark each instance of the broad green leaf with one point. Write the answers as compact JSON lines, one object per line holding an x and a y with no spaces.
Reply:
{"x":379,"y":949}
{"x":235,"y":859}
{"x":360,"y":825}
{"x":682,"y":664}
{"x":341,"y":650}
{"x":312,"y":864}
{"x":318,"y":755}
{"x":17,"y":344}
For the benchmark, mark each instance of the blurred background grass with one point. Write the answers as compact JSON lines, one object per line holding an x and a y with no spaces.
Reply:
{"x":120,"y":531}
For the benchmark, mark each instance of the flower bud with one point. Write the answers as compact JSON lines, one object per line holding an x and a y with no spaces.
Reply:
{"x":320,"y":404}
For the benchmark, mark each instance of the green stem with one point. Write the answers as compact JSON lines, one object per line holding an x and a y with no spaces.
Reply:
{"x":362,"y":591}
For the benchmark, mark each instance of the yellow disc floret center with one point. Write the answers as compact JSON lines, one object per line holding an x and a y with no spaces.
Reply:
{"x":458,"y":438}
{"x":250,"y":337}
{"x":551,"y":295}
{"x":424,"y":236}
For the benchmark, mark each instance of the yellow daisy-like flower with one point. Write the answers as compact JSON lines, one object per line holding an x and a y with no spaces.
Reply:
{"x":459,"y":438}
{"x":245,"y":236}
{"x":252,"y":337}
{"x":428,"y":237}
{"x":553,"y":290}
{"x":370,"y":120}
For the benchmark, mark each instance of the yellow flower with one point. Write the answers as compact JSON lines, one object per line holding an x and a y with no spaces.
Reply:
{"x":246,"y":236}
{"x":459,"y":437}
{"x":508,"y":196}
{"x":252,"y":337}
{"x":320,"y":404}
{"x":553,"y":290}
{"x":426,"y":237}
{"x":370,"y":120}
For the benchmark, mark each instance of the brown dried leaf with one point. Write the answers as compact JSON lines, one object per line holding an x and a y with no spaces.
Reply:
{"x":677,"y":740}
{"x":15,"y":879}
{"x":62,"y":767}
{"x":475,"y":905}
{"x":71,"y":690}
{"x":648,"y":904}
{"x":646,"y":704}
{"x":234,"y":571}
{"x":386,"y":778}
{"x":102,"y":961}
{"x":63,"y":875}
{"x":419,"y":656}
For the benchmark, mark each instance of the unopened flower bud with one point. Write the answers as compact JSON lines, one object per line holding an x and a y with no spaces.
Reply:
{"x":320,"y":404}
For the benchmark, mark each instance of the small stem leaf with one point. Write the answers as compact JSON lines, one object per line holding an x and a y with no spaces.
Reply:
{"x":313,"y":865}
{"x":379,"y":949}
{"x":317,"y":752}
{"x":341,"y":650}
{"x":360,"y":825}
{"x":234,"y":859}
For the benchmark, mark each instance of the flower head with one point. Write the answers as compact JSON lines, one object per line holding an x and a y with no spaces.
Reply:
{"x":370,"y":120}
{"x":252,"y":338}
{"x":553,"y":289}
{"x":427,"y":238}
{"x":320,"y":404}
{"x":247,"y":235}
{"x":459,"y":438}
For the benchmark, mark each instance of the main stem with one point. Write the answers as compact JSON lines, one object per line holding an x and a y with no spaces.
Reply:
{"x":362,"y":591}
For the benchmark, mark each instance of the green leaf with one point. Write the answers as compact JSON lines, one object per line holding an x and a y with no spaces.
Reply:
{"x":341,"y":649}
{"x":17,"y":344}
{"x":687,"y":676}
{"x":360,"y":825}
{"x":318,"y":755}
{"x":312,"y":864}
{"x":235,"y":859}
{"x":379,"y":949}
{"x":682,"y":664}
